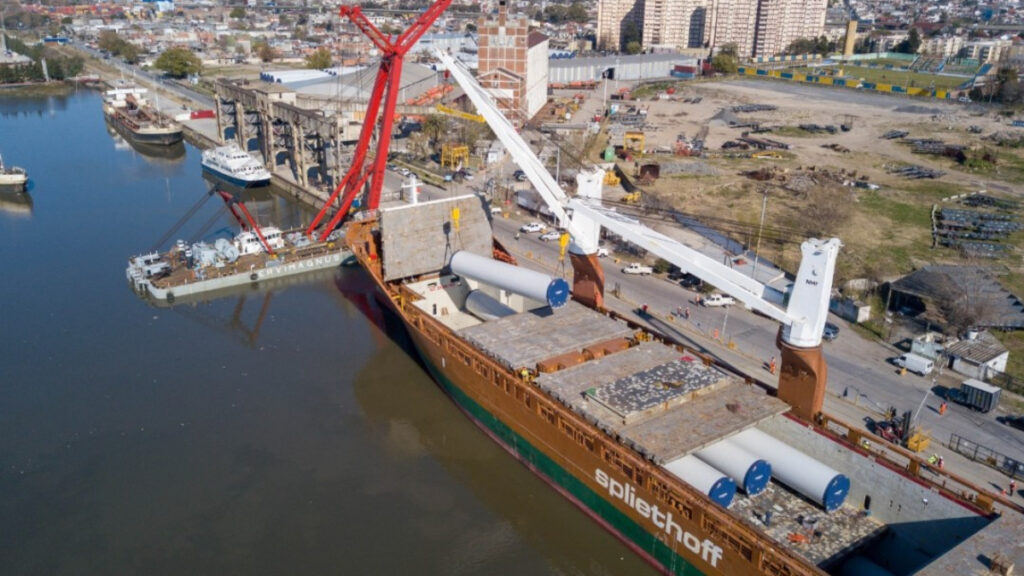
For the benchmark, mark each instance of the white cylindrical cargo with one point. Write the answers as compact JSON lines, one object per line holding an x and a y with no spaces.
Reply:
{"x":533,"y":285}
{"x":690,"y":469}
{"x":486,"y":308}
{"x":797,"y":470}
{"x":751,"y":473}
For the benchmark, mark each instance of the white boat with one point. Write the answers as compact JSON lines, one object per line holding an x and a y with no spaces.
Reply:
{"x":12,"y":177}
{"x":235,"y":166}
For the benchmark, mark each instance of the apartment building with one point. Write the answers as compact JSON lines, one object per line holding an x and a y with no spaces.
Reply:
{"x":756,"y":27}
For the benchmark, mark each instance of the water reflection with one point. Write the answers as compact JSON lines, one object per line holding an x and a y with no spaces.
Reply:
{"x":173,"y":154}
{"x":15,"y":103}
{"x":18,"y":204}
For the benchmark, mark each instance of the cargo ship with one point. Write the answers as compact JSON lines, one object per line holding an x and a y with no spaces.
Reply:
{"x":137,"y":121}
{"x":12,"y":178}
{"x":235,"y":166}
{"x":696,"y":469}
{"x":253,"y":256}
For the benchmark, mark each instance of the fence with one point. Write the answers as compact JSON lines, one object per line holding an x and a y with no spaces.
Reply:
{"x":987,"y":456}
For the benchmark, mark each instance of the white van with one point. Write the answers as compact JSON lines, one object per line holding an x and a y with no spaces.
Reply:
{"x":916,"y":364}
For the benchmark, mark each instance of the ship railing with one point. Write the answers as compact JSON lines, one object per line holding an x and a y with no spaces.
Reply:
{"x":908,"y":463}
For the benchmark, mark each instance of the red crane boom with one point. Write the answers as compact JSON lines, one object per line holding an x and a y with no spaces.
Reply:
{"x":385,"y":88}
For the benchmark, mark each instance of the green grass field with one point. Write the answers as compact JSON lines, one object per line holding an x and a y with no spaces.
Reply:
{"x":883,"y":76}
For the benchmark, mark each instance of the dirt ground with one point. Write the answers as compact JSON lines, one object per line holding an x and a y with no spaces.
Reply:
{"x":886,"y":232}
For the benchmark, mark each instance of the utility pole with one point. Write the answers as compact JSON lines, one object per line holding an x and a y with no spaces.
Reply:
{"x":757,"y":248}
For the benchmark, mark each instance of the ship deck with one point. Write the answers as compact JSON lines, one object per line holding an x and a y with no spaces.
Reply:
{"x":665,"y":404}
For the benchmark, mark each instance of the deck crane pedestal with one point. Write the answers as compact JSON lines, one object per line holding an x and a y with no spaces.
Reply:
{"x":385,"y":88}
{"x":803,"y":370}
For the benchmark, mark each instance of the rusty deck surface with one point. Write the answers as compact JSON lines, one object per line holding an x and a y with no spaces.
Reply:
{"x":823,"y":538}
{"x":523,"y":340}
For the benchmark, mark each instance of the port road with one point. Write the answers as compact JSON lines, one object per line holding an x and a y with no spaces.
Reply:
{"x":862,"y":382}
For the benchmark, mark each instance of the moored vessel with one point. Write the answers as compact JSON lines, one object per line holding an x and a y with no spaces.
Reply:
{"x":639,"y":432}
{"x":235,"y":166}
{"x":251,"y":256}
{"x":128,"y":111}
{"x":12,"y":178}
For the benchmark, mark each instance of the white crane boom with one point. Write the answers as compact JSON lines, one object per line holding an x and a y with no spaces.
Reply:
{"x":536,"y":173}
{"x":803,"y":318}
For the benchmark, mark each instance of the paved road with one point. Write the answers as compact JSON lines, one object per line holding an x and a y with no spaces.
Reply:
{"x":862,"y":383}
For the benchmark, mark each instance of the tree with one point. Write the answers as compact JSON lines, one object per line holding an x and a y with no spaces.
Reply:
{"x":320,"y":59}
{"x":179,"y":63}
{"x":109,"y":41}
{"x":238,"y":12}
{"x":433,"y":125}
{"x":1009,"y":85}
{"x":630,"y":33}
{"x":727,"y":60}
{"x":634,"y":48}
{"x":577,"y":12}
{"x":130,"y":52}
{"x":266,"y":52}
{"x":912,"y":44}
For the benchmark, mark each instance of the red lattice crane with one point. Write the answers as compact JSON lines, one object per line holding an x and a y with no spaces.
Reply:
{"x":385,"y":88}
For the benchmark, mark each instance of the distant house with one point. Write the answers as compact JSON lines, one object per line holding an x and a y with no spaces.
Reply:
{"x":979,"y":355}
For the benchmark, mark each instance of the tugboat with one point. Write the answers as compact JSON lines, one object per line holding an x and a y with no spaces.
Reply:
{"x":135,"y":119}
{"x":235,"y":166}
{"x":12,"y":178}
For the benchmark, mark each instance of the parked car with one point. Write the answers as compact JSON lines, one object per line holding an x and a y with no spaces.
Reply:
{"x":602,"y":252}
{"x":1014,"y":421}
{"x":552,"y":235}
{"x":532,"y":227}
{"x":717,"y":300}
{"x":690,"y":281}
{"x":830,"y":333}
{"x":519,"y":175}
{"x":635,"y":268}
{"x":495,"y":210}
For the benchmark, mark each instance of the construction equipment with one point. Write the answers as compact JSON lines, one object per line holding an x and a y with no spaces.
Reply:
{"x":454,"y":155}
{"x":632,"y":197}
{"x":460,"y":114}
{"x":611,"y":179}
{"x":634,"y":141}
{"x":385,"y":90}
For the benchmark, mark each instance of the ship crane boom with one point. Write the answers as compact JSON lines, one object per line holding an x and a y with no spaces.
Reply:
{"x":803,"y":374}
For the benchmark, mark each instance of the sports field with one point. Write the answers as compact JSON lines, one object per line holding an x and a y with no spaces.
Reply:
{"x":883,"y":76}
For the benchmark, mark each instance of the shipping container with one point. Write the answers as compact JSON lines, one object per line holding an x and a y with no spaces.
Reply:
{"x":978,"y":395}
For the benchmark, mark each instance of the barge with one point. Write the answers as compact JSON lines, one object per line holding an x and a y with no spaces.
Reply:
{"x":202,"y":268}
{"x":137,"y":121}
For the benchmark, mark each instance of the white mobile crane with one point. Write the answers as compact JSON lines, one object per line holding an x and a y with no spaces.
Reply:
{"x":803,"y":372}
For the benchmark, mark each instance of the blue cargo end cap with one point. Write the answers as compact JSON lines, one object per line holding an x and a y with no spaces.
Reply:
{"x":757,"y":477}
{"x":835,"y":492}
{"x":723,"y":492}
{"x":558,"y":293}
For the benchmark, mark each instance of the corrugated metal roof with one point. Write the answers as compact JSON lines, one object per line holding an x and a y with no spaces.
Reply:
{"x":984,"y":348}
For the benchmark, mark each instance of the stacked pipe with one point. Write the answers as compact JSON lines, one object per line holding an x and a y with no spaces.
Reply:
{"x":751,"y":473}
{"x":797,"y":470}
{"x":716,"y":485}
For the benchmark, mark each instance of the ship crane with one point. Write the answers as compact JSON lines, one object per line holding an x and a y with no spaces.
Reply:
{"x":803,"y":371}
{"x":385,"y":88}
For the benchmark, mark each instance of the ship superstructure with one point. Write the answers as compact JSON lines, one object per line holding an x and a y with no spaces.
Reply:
{"x":235,"y":166}
{"x":12,"y":178}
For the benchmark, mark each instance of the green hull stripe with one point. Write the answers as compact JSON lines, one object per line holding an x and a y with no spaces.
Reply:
{"x":673,"y":563}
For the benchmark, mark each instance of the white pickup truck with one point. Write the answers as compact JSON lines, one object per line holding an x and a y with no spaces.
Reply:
{"x":635,"y":268}
{"x":717,"y":300}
